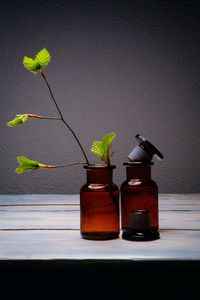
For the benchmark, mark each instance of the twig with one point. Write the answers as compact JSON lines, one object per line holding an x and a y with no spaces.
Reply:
{"x":61,"y":166}
{"x":62,"y":118}
{"x":42,"y":117}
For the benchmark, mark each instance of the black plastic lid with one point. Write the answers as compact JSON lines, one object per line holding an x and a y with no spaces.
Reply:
{"x":149,"y":147}
{"x":144,"y":152}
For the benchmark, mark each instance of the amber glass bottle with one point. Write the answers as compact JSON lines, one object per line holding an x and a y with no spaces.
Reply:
{"x":99,"y":204}
{"x":139,"y":203}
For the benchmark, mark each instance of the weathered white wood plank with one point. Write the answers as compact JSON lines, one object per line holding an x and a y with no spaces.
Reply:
{"x":71,"y":220}
{"x":164,"y":199}
{"x":39,"y":220}
{"x":180,"y":198}
{"x":179,"y":220}
{"x":39,"y":208}
{"x":76,"y":207}
{"x":173,"y":245}
{"x":179,"y":207}
{"x":39,"y":199}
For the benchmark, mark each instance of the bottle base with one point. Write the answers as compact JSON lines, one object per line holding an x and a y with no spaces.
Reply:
{"x":140,"y":236}
{"x":99,"y":235}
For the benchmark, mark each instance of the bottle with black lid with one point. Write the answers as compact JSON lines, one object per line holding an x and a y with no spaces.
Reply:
{"x":139,"y":194}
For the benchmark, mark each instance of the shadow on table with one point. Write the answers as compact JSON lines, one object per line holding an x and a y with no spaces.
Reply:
{"x":42,"y":280}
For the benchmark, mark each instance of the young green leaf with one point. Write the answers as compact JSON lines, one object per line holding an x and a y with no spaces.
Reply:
{"x":106,"y":143}
{"x":97,"y":149}
{"x":43,"y":57}
{"x":31,"y":64}
{"x":41,"y":60}
{"x":102,"y":149}
{"x":26,"y":164}
{"x":20,"y":119}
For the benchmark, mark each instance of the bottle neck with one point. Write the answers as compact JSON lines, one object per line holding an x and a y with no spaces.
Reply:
{"x":99,"y":176}
{"x":142,"y":172}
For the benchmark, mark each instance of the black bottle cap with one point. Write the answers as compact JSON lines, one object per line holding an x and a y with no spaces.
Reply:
{"x":145,"y":151}
{"x":140,"y":221}
{"x":140,"y":227}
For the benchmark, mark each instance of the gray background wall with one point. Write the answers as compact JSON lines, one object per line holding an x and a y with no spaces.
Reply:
{"x":124,"y":66}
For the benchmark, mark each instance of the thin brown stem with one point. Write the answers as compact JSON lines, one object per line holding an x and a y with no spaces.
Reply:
{"x":42,"y":117}
{"x":61,"y":166}
{"x":62,"y":118}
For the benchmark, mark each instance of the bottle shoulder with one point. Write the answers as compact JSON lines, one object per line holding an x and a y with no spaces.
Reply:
{"x":136,"y":184}
{"x":89,"y":187}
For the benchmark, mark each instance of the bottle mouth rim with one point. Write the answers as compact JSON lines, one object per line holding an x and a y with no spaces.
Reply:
{"x":99,"y":167}
{"x":139,"y":163}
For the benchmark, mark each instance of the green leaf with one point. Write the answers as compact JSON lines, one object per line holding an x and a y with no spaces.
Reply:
{"x":97,"y":149}
{"x":31,"y":64}
{"x":41,"y":60}
{"x":102,"y":149}
{"x":43,"y":57}
{"x":106,"y":143}
{"x":26,"y":164}
{"x":20,"y":119}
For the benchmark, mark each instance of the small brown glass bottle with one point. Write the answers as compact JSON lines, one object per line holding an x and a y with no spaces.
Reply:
{"x":139,"y":194}
{"x":99,"y":204}
{"x":139,"y":203}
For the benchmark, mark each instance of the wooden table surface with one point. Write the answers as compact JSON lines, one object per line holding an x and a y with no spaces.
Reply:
{"x":46,"y":228}
{"x":42,"y":253}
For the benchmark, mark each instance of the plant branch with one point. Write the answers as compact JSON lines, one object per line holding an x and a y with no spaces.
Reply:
{"x":62,"y":118}
{"x":61,"y":166}
{"x":41,"y":117}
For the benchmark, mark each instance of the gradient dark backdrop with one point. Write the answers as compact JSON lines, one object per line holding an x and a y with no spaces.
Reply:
{"x":124,"y":66}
